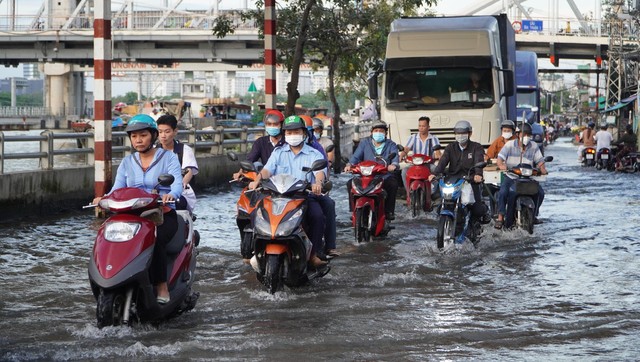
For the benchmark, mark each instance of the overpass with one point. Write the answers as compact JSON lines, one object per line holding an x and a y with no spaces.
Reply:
{"x":62,"y":39}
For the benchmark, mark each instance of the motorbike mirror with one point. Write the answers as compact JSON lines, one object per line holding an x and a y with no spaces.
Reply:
{"x":344,"y":159}
{"x":166,"y":179}
{"x":327,"y":186}
{"x":247,"y":166}
{"x":329,"y":148}
{"x":482,"y":164}
{"x":232,"y":156}
{"x":534,"y":109}
{"x":318,"y":165}
{"x":548,"y":159}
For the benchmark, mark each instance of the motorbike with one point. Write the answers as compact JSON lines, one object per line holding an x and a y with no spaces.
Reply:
{"x":245,"y":206}
{"x":526,"y":188}
{"x":418,"y":185}
{"x":589,"y":157}
{"x":604,"y":160}
{"x":630,"y":162}
{"x":119,"y":268}
{"x":368,"y":216}
{"x":282,"y":249}
{"x":454,"y":223}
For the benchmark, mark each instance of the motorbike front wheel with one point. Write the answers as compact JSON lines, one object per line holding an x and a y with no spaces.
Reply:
{"x":445,"y":230}
{"x":362,"y":225}
{"x":110,"y":308}
{"x":272,"y":279}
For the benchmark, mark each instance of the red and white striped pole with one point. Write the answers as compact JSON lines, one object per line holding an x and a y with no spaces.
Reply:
{"x":270,"y":54}
{"x":102,"y":56}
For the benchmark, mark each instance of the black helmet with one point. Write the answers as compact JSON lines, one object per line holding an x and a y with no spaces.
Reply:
{"x":507,"y":123}
{"x":462,"y":126}
{"x":591,"y":125}
{"x":526,"y":129}
{"x":379,"y":124}
{"x":294,"y":122}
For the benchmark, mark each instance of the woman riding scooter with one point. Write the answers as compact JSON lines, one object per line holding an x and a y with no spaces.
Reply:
{"x":142,"y":169}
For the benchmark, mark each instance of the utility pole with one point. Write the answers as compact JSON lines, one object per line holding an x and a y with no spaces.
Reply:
{"x":616,"y":68}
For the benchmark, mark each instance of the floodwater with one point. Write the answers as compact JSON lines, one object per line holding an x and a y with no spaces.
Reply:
{"x":568,"y":292}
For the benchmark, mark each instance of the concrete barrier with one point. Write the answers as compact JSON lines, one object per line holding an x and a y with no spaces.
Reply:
{"x":56,"y":190}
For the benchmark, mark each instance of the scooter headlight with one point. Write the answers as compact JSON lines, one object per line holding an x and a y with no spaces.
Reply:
{"x":287,"y":227}
{"x":448,"y":191}
{"x":366,"y":170}
{"x":121,"y":231}
{"x":527,"y":172}
{"x":417,"y":161}
{"x":261,"y":224}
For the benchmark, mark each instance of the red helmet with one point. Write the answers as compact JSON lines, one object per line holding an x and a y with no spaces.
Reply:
{"x":308,"y":121}
{"x":273,"y":114}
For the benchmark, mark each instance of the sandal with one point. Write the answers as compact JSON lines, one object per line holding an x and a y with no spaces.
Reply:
{"x":498,"y":224}
{"x":332,"y":252}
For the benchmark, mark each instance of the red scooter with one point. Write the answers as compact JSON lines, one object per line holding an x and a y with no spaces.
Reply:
{"x":121,"y":259}
{"x":368,"y":216}
{"x":418,"y":185}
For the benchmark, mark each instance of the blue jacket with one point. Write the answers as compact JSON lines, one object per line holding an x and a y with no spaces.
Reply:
{"x":366,"y":151}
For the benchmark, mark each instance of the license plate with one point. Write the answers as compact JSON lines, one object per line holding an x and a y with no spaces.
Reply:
{"x":589,"y":156}
{"x":604,"y":156}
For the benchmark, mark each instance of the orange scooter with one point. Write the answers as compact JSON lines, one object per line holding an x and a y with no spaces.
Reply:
{"x":245,"y":206}
{"x":281,"y":247}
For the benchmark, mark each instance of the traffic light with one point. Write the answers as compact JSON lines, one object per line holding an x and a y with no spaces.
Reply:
{"x":553,"y":57}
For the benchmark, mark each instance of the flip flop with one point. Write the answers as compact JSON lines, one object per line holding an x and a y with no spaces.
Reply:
{"x":332,"y":252}
{"x":498,"y":224}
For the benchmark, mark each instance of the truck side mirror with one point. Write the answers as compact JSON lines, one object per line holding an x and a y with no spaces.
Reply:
{"x":373,"y":85}
{"x":509,"y":82}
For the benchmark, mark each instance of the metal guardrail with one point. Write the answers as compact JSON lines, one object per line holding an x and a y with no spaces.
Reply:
{"x":204,"y":142}
{"x":213,"y":142}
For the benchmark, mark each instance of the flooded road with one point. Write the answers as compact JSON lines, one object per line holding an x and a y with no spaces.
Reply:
{"x":570,"y":291}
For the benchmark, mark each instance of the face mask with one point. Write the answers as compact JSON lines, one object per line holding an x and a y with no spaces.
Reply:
{"x":462,"y":138}
{"x":507,"y":135}
{"x":378,"y":137}
{"x":294,"y":140}
{"x":318,"y":135}
{"x":272,"y":131}
{"x":526,"y":140}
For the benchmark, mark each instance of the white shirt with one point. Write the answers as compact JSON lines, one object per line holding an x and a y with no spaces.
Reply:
{"x":603,"y":139}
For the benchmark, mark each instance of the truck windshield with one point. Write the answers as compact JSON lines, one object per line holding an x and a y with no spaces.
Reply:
{"x":438,"y":87}
{"x":526,"y":99}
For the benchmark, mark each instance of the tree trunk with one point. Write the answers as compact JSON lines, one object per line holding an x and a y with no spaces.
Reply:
{"x":337,"y":121}
{"x":292,"y":86}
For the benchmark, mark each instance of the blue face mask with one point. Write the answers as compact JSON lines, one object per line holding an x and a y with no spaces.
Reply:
{"x":272,"y":131}
{"x":378,"y":137}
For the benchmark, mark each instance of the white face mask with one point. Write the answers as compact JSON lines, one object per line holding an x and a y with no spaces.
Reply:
{"x":507,"y":135}
{"x":318,"y":135}
{"x":462,"y":138}
{"x":294,"y":140}
{"x":526,"y":140}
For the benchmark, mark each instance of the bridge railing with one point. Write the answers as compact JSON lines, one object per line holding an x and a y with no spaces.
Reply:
{"x":198,"y":19}
{"x":205,"y":142}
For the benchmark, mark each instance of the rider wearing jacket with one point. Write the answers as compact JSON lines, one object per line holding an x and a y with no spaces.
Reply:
{"x":460,"y":158}
{"x":290,"y":159}
{"x":141,"y":169}
{"x":368,"y":149}
{"x":512,"y":154}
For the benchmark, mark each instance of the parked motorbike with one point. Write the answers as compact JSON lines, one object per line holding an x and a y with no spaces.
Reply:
{"x":589,"y":157}
{"x":604,"y":160}
{"x":245,"y":206}
{"x":121,"y":259}
{"x":282,"y":248}
{"x":418,"y":185}
{"x":454,"y":223}
{"x":630,"y":162}
{"x":368,"y":215}
{"x":526,"y":189}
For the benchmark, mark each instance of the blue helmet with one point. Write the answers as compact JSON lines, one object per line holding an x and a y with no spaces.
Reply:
{"x":140,"y":122}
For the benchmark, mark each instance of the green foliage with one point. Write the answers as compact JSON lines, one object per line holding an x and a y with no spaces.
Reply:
{"x":22,"y":100}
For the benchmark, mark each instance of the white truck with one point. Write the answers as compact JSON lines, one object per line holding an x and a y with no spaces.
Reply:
{"x":448,"y":69}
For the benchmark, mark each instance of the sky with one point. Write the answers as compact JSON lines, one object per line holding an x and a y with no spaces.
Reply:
{"x":539,"y":9}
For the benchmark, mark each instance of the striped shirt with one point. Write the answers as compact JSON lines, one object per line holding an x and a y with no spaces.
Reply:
{"x":417,"y":145}
{"x":511,"y":153}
